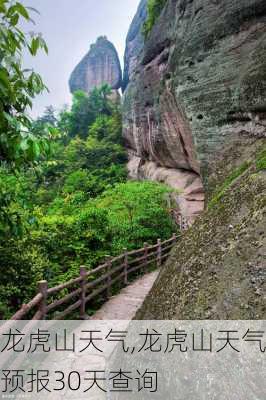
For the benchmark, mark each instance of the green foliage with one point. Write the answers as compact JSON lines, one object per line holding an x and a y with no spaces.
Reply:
{"x":77,"y":181}
{"x":79,"y":207}
{"x":92,"y":154}
{"x":22,"y":265}
{"x":137,"y":213}
{"x":77,"y":231}
{"x":107,"y":127}
{"x":88,"y":164}
{"x":15,"y":203}
{"x":69,"y":241}
{"x":154,"y":9}
{"x":91,"y":163}
{"x":18,"y":87}
{"x":21,"y":261}
{"x":86,"y":108}
{"x":45,"y":122}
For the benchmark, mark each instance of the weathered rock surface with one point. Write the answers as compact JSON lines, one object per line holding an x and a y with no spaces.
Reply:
{"x":134,"y":43}
{"x":218,"y":269}
{"x":101,"y":65}
{"x":200,"y":78}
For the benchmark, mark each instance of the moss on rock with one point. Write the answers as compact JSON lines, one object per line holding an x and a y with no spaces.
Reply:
{"x":261,"y":161}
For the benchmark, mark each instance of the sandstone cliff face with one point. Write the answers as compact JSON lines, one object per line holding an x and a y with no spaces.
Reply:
{"x":134,"y":43}
{"x":200,"y":78}
{"x":101,"y":65}
{"x":218,"y":268}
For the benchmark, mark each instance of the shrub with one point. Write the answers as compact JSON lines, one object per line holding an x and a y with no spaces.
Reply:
{"x":22,"y":266}
{"x":80,"y":238}
{"x":137,"y":213}
{"x":154,"y":9}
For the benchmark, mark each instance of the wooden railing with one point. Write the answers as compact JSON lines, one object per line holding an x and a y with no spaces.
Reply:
{"x":75,"y":294}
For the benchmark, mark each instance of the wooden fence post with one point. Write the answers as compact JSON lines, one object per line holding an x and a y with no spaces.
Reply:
{"x":83,"y":273}
{"x":125,"y":266}
{"x":145,"y":254}
{"x":109,"y":277}
{"x":43,"y":286}
{"x":159,"y":253}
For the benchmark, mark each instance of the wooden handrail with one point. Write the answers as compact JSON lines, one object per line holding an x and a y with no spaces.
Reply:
{"x":27,"y":307}
{"x":172,"y":239}
{"x":63,"y":300}
{"x":63,"y":286}
{"x":105,"y":275}
{"x":133,"y":252}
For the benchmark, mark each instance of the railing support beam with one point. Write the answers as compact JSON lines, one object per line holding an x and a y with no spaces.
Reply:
{"x":159,"y":253}
{"x":140,"y":259}
{"x":125,"y":266}
{"x":109,"y":277}
{"x":145,"y":255}
{"x":82,"y":274}
{"x":43,"y":286}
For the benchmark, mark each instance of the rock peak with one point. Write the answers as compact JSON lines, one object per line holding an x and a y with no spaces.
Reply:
{"x":102,"y":39}
{"x":134,"y":42}
{"x":100,"y":65}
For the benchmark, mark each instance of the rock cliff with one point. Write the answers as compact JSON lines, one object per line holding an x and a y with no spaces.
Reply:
{"x":198,"y":80}
{"x":218,"y":268}
{"x":134,"y":43}
{"x":101,"y":65}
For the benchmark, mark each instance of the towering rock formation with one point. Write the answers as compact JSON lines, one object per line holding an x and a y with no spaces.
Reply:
{"x":101,"y":65}
{"x":195,"y":111}
{"x":199,"y":80}
{"x":134,"y":43}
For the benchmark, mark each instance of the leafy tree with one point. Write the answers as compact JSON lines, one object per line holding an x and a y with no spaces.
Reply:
{"x":48,"y":117}
{"x":15,"y":199}
{"x":20,"y":142}
{"x":63,"y":122}
{"x":107,"y":127}
{"x":18,"y":87}
{"x":99,"y":156}
{"x":80,"y":238}
{"x":75,"y":230}
{"x":137,"y":213}
{"x":79,"y":207}
{"x":21,"y":261}
{"x":86,"y":108}
{"x":22,"y":266}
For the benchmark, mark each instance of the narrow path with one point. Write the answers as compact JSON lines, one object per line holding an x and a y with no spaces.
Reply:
{"x":122,"y":309}
{"x":124,"y":305}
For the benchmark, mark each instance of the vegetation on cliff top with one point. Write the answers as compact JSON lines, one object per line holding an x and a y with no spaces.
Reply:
{"x":154,"y":9}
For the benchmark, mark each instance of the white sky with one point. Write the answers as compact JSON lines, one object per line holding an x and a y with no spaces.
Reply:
{"x":69,"y":27}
